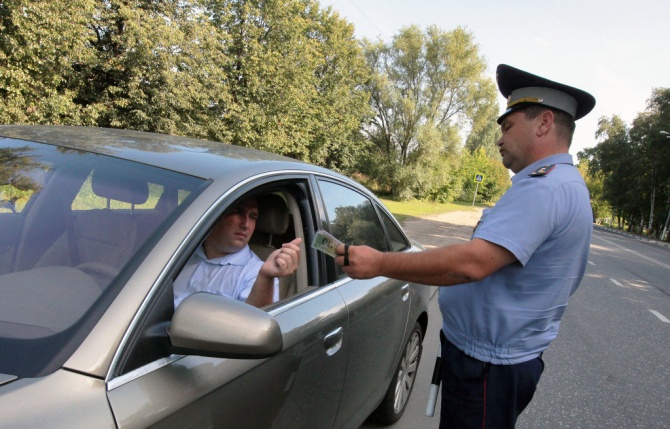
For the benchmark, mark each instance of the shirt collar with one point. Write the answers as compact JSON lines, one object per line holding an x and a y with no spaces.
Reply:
{"x":561,"y":158}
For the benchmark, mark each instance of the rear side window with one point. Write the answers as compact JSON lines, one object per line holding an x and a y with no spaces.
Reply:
{"x":397,"y":239}
{"x":352,"y":217}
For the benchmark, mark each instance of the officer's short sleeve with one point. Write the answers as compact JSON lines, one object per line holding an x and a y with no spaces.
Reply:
{"x":521,"y":220}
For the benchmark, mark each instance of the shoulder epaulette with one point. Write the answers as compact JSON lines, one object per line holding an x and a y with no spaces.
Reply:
{"x":542,"y":171}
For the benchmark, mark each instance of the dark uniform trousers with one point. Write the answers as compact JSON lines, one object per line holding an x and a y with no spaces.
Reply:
{"x":481,"y":395}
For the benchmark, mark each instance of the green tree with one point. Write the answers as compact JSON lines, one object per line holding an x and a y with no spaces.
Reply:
{"x":281,"y":75}
{"x":614,"y":159}
{"x":595,"y":183}
{"x":654,"y":151}
{"x":630,"y":165}
{"x":157,"y":68}
{"x":485,"y":130}
{"x":41,"y":45}
{"x":496,"y":178}
{"x":295,"y":72}
{"x":427,"y":88}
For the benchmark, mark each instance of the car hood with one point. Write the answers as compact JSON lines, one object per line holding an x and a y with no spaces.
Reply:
{"x":60,"y":400}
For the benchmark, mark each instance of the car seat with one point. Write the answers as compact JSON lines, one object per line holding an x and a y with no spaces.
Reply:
{"x":272,"y":229}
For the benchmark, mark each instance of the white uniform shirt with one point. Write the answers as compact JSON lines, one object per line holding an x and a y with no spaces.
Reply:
{"x":231,"y":275}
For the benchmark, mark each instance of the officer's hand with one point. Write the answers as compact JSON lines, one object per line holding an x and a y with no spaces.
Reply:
{"x":359,"y":262}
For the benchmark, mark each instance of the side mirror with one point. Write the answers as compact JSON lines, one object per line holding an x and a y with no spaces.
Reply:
{"x":205,"y":324}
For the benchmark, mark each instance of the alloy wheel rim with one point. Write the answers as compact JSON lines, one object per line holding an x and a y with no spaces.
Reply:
{"x":409,"y":364}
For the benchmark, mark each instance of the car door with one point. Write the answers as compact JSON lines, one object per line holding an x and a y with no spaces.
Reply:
{"x":378,"y":307}
{"x":195,"y":391}
{"x":281,"y":391}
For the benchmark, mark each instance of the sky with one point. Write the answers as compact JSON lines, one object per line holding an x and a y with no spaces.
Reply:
{"x":619,"y":51}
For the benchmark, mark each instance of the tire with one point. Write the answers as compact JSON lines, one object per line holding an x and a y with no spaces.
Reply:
{"x":397,"y":396}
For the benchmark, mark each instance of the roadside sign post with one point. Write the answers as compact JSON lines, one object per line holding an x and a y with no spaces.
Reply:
{"x":478,"y":180}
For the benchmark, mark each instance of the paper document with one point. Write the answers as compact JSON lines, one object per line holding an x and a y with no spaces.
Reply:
{"x":325,"y":243}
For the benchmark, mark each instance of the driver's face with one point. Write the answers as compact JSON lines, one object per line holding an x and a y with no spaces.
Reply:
{"x":233,"y":230}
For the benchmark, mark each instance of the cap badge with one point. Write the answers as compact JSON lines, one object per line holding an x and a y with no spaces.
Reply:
{"x":511,"y":103}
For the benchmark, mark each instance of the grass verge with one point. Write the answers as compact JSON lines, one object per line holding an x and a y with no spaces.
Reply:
{"x":406,"y":209}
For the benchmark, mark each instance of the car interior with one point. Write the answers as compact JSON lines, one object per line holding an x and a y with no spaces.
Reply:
{"x":277,"y":223}
{"x":100,"y":241}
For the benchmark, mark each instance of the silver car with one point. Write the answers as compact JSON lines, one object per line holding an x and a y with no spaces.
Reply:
{"x":96,"y":225}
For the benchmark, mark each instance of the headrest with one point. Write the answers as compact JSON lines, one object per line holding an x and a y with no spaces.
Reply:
{"x":273,"y":215}
{"x":119,"y":185}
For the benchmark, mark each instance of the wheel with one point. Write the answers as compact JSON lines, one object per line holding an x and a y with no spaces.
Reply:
{"x":393,"y":405}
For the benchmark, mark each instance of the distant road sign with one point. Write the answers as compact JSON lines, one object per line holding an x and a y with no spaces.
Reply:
{"x":479,"y":178}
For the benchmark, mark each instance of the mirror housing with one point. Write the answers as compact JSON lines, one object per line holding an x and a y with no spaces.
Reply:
{"x":210,"y":325}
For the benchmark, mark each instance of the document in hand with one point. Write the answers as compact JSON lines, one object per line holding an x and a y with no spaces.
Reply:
{"x":325,"y":243}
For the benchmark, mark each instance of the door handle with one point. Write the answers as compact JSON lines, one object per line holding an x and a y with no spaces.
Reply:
{"x":333,"y":341}
{"x":404,"y":292}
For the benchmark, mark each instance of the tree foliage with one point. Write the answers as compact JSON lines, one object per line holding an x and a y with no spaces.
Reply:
{"x":280,"y":75}
{"x":157,"y":68}
{"x":595,"y":183}
{"x":630,"y":163}
{"x":496,"y":179}
{"x":428,"y":87}
{"x":41,"y":43}
{"x":295,"y":74}
{"x":416,"y":116}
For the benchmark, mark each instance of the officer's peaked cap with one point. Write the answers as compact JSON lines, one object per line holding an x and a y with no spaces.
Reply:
{"x":522,"y":89}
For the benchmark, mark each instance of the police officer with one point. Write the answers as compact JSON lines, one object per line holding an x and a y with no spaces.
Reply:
{"x":509,"y":285}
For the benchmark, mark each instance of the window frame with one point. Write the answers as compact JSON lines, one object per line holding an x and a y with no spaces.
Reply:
{"x":157,"y":311}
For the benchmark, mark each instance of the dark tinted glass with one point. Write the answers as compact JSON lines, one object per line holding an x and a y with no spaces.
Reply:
{"x":397,"y":239}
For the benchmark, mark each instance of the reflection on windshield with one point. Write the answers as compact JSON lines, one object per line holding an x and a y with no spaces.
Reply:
{"x":17,"y":184}
{"x":70,"y":222}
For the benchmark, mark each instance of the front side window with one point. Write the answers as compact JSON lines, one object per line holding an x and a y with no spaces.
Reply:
{"x":352,"y":217}
{"x":281,"y":212}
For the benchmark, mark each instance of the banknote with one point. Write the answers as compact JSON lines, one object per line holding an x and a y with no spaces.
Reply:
{"x":325,"y":242}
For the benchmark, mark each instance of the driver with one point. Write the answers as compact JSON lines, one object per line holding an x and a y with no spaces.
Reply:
{"x":225,"y":265}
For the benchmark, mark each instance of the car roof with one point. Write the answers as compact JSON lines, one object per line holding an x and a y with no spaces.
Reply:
{"x":199,"y":158}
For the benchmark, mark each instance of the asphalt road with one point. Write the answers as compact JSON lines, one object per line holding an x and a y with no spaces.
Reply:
{"x":610,"y":365}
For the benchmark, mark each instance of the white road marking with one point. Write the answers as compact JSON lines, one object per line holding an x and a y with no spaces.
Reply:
{"x":660,"y":316}
{"x":636,"y":253}
{"x":616,"y":282}
{"x":590,"y":262}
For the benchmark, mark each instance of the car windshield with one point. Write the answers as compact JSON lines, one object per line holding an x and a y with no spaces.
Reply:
{"x":72,"y":227}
